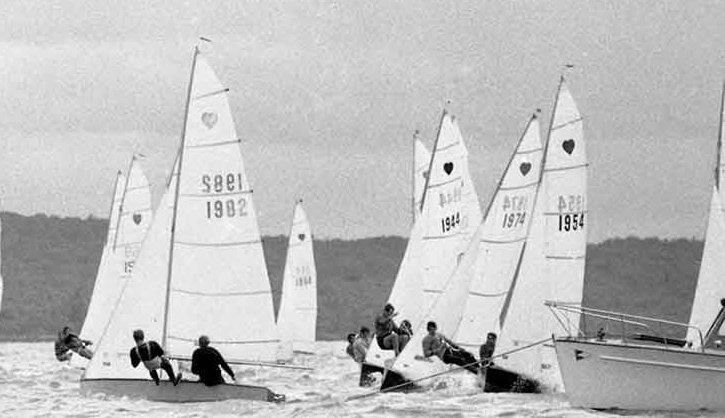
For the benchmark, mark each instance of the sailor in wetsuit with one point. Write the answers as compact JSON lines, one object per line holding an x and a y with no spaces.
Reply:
{"x":206,"y":361}
{"x":437,"y":344}
{"x":67,"y":343}
{"x":387,"y":333}
{"x":485,"y":353}
{"x":152,"y":356}
{"x":350,"y":341}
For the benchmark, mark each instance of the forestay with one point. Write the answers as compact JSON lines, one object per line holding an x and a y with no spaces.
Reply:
{"x":421,"y":163}
{"x":505,"y":229}
{"x":553,"y":262}
{"x":128,"y":223}
{"x":218,"y":282}
{"x":449,"y":215}
{"x":710,"y":283}
{"x":297,"y":318}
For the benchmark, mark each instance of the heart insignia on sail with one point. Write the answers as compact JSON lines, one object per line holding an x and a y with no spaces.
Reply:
{"x":580,"y":355}
{"x":448,"y":168}
{"x":568,"y":146}
{"x":524,"y":168}
{"x":209,"y":119}
{"x":301,"y":237}
{"x":136,"y":218}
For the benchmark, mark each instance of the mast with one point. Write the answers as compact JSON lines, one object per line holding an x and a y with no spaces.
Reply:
{"x":113,"y":200}
{"x":430,"y":163}
{"x":719,"y":138}
{"x":123,"y":197}
{"x":176,"y":199}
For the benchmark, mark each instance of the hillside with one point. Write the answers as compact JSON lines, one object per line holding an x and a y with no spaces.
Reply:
{"x":49,"y":265}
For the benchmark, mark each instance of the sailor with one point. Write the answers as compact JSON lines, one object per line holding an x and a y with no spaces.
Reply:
{"x":205,"y":362}
{"x":67,"y":343}
{"x":405,"y":329}
{"x":487,"y":348}
{"x":437,"y":344}
{"x":350,"y":342}
{"x":361,"y":344}
{"x":387,"y":333}
{"x":152,"y":356}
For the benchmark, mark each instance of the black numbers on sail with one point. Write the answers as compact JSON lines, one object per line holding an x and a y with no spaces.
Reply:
{"x":571,"y":221}
{"x":450,"y":222}
{"x":512,"y":220}
{"x":229,"y":208}
{"x":303,"y":278}
{"x":221,"y":183}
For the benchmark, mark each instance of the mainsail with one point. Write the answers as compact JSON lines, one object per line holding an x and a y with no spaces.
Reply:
{"x":710,"y":284}
{"x":129,"y":220}
{"x":505,"y":229}
{"x":201,"y":269}
{"x":450,"y":214}
{"x":297,"y":318}
{"x":552,"y":267}
{"x":421,"y":163}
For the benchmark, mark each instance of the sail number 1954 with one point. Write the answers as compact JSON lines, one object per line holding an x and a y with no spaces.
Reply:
{"x":571,"y":212}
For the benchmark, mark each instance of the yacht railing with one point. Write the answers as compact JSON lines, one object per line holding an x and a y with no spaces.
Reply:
{"x":560,"y":310}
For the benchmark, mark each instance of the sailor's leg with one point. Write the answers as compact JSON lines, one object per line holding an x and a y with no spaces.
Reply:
{"x":154,"y":376}
{"x":168,"y":369}
{"x":404,"y":338}
{"x":85,"y":352}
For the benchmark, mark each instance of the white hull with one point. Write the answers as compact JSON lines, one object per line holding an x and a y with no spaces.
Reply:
{"x":611,"y":375}
{"x":185,"y":391}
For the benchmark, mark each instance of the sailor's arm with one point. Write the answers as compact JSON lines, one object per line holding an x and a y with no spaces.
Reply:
{"x":134,"y":358}
{"x":224,"y":365}
{"x":427,"y":349}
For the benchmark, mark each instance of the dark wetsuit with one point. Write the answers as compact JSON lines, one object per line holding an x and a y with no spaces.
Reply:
{"x":70,"y":342}
{"x":206,"y":362}
{"x":486,"y":351}
{"x":384,"y":326}
{"x":149,"y":351}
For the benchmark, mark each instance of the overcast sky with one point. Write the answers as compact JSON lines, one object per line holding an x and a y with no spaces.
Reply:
{"x":326,"y":97}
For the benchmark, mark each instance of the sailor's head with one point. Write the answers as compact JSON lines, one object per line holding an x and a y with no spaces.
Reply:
{"x":138,"y":335}
{"x":431,"y":327}
{"x":491,"y":336}
{"x":389,"y":309}
{"x":364,"y":332}
{"x":405,"y":323}
{"x":65,"y":331}
{"x":351,"y":337}
{"x":203,"y":341}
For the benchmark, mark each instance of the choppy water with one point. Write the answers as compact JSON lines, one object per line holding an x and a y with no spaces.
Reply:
{"x":32,"y":382}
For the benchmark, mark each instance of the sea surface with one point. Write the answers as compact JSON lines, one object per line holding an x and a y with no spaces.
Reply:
{"x":33,"y":383}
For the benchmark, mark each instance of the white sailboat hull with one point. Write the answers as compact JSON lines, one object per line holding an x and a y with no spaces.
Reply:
{"x":185,"y":391}
{"x":607,"y":375}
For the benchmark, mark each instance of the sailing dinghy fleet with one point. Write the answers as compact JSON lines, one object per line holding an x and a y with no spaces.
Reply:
{"x":479,"y":283}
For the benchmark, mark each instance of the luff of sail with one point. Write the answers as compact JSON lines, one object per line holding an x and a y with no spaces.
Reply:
{"x":297,"y":318}
{"x":553,"y":262}
{"x":450,"y":214}
{"x":505,"y":229}
{"x":218,"y":283}
{"x":421,"y":163}
{"x":710,"y":284}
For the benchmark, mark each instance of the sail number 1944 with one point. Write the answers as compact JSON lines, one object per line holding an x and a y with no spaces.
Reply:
{"x":223,"y":184}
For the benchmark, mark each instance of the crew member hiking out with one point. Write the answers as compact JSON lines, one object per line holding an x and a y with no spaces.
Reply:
{"x":360,"y":347}
{"x":387,"y":333}
{"x":350,"y":342}
{"x":206,"y":361}
{"x":436,"y":344}
{"x":152,"y":356}
{"x":67,"y":343}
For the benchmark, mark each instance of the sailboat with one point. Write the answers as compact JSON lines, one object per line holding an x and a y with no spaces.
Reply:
{"x":710,"y":284}
{"x":450,"y":214}
{"x":483,"y":285}
{"x":297,"y":318}
{"x":421,"y":161}
{"x":129,"y":219}
{"x":552,"y":265}
{"x":201,"y":269}
{"x":623,"y":372}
